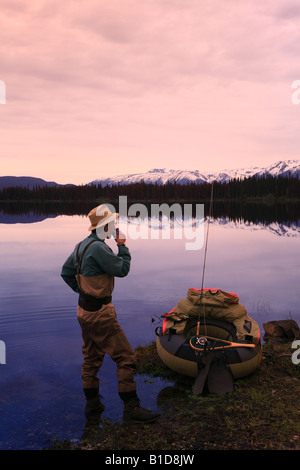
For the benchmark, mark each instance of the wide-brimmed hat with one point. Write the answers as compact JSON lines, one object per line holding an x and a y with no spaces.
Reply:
{"x":101,"y":215}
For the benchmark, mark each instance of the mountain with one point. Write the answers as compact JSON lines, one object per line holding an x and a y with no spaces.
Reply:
{"x":162,"y":176}
{"x":26,"y":181}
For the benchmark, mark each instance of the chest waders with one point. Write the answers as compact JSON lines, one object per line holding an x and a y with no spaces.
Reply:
{"x":86,"y":301}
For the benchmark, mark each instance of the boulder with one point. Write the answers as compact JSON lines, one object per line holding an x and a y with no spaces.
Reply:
{"x":284,"y":329}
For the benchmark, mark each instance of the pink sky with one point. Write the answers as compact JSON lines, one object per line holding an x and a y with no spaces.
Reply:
{"x":100,"y":88}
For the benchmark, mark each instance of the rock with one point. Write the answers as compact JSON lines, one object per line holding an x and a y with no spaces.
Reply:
{"x":285,"y":329}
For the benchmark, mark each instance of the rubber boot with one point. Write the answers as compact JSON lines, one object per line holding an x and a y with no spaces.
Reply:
{"x":93,"y":405}
{"x":135,"y":413}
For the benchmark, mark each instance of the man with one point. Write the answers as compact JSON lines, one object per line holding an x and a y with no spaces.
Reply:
{"x":90,"y":272}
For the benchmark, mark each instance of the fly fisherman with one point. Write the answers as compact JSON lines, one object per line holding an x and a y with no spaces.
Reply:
{"x":90,"y":272}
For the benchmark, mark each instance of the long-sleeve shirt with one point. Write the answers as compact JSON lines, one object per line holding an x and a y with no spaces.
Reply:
{"x":99,"y":262}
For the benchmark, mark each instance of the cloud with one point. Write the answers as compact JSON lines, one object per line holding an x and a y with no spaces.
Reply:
{"x":151,"y":77}
{"x":289,"y":11}
{"x":139,"y":46}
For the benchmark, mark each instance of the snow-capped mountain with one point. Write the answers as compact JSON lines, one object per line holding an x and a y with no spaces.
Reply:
{"x":162,"y":176}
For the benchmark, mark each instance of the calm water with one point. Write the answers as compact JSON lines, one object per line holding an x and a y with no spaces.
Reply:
{"x":41,"y":394}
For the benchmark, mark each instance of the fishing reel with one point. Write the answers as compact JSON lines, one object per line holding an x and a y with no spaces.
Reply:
{"x":202,"y":341}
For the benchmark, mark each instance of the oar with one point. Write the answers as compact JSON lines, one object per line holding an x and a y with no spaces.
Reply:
{"x":220,"y":379}
{"x":203,"y":373}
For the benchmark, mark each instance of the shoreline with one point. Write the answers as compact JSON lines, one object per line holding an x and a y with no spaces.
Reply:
{"x":262,"y":413}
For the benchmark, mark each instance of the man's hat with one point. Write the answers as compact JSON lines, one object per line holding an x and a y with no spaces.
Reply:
{"x":101,"y":215}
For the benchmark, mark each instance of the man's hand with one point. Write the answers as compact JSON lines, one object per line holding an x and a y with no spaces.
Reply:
{"x":120,"y":237}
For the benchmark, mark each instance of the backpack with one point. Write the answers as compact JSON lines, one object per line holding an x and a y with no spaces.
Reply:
{"x":214,"y":307}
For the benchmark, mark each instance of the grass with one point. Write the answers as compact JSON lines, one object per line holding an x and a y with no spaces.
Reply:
{"x":262,"y":413}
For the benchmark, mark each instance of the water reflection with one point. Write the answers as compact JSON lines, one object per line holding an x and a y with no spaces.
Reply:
{"x":41,"y":395}
{"x":286,"y":214}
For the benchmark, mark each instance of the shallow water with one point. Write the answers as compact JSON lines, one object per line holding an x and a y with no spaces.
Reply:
{"x":41,"y":394}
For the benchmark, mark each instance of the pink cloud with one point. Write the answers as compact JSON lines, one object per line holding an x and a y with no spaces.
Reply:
{"x":128,"y":85}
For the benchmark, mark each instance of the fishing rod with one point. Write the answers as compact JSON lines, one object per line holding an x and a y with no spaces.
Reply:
{"x":204,"y":262}
{"x":203,"y":343}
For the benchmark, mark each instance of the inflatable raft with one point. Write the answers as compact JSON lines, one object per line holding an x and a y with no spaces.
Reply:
{"x":209,"y":324}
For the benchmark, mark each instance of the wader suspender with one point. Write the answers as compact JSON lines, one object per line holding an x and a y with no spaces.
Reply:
{"x":86,"y":301}
{"x":79,"y":261}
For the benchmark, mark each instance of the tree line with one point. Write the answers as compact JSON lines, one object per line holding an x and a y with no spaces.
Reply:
{"x":279,"y":188}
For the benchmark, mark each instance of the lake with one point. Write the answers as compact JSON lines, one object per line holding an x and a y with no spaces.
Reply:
{"x":41,"y":392}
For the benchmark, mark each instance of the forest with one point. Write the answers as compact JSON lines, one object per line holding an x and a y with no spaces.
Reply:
{"x":279,"y":188}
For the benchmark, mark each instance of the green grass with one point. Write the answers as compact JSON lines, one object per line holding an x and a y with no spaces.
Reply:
{"x":262,"y":413}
